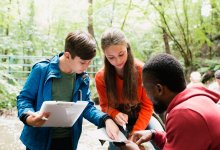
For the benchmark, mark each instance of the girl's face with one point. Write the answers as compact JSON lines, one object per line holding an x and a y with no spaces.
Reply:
{"x":117,"y":55}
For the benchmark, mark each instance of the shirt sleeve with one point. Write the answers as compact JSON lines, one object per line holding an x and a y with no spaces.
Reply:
{"x":146,"y":105}
{"x":27,"y":96}
{"x":160,"y":139}
{"x":145,"y":112}
{"x":100,"y":86}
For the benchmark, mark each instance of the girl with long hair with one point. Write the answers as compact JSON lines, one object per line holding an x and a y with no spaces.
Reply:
{"x":119,"y":84}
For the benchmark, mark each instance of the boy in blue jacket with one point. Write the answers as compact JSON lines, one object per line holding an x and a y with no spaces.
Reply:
{"x":61,"y":78}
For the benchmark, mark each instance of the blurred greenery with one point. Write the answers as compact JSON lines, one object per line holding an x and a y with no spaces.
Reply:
{"x":187,"y":29}
{"x":8,"y":91}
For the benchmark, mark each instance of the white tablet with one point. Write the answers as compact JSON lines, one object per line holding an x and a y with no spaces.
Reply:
{"x":62,"y":114}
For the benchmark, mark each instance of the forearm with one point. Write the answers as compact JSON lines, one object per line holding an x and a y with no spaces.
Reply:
{"x":24,"y":105}
{"x":106,"y":108}
{"x":94,"y":115}
{"x":159,"y":138}
{"x":144,"y":117}
{"x":27,"y":96}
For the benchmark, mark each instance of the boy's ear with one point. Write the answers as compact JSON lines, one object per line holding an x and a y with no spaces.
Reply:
{"x":67,"y":55}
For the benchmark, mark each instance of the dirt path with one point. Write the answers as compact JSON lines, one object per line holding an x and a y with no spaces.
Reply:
{"x":10,"y":129}
{"x":9,"y":133}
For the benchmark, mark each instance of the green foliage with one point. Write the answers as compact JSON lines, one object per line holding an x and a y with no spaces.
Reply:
{"x":38,"y":28}
{"x":9,"y":89}
{"x":206,"y":65}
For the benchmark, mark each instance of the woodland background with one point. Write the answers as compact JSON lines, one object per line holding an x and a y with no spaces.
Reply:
{"x":187,"y":29}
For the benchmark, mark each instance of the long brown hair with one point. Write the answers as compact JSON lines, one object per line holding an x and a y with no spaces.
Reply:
{"x":130,"y":74}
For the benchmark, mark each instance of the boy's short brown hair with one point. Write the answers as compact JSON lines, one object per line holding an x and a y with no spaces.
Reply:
{"x":80,"y":44}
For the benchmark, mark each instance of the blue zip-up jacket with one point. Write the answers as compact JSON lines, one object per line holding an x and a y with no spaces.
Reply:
{"x":38,"y":88}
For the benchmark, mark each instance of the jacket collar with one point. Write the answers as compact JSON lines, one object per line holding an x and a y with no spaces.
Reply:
{"x":54,"y":71}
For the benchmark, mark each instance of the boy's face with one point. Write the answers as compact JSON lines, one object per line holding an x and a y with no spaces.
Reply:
{"x":78,"y":65}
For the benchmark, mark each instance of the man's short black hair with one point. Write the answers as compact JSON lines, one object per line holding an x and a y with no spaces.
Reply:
{"x":166,"y":70}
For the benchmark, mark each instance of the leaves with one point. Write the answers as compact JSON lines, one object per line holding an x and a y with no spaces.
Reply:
{"x":39,"y":28}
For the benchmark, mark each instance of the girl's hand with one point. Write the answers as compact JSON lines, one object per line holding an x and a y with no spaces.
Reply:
{"x":121,"y":119}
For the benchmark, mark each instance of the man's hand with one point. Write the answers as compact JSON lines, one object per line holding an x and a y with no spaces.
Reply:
{"x":35,"y":119}
{"x":141,"y":136}
{"x":129,"y":145}
{"x":112,"y":129}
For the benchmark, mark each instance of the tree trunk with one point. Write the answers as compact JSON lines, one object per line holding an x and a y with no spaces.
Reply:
{"x":90,"y":23}
{"x":182,"y":46}
{"x":126,"y":15}
{"x":166,"y":41}
{"x":8,"y":24}
{"x":90,"y":18}
{"x":113,"y":10}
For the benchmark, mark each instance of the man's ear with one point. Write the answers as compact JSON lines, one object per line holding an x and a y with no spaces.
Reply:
{"x":160,"y":89}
